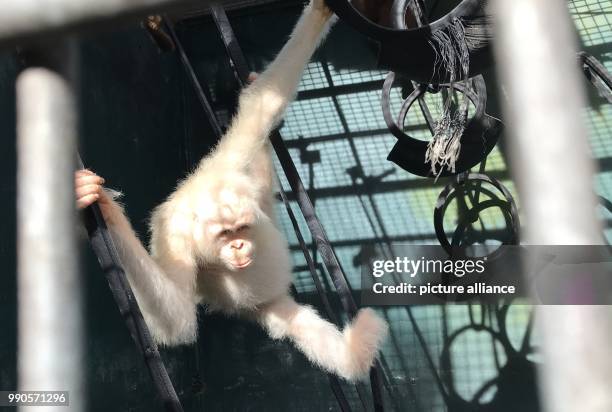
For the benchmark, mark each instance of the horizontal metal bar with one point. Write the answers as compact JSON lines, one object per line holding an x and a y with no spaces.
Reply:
{"x":393,"y":239}
{"x":24,"y":20}
{"x":386,"y":187}
{"x":193,"y":14}
{"x":330,"y":91}
{"x":494,"y":234}
{"x":301,"y":143}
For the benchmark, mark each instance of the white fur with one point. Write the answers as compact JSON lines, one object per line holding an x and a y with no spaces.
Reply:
{"x":233,"y":185}
{"x":349,"y":354}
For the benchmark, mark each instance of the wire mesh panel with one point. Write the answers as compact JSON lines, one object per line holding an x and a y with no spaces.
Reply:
{"x":358,"y":214}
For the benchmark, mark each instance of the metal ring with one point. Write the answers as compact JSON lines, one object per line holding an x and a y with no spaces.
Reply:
{"x":480,"y":136}
{"x":400,"y":48}
{"x":449,"y":192}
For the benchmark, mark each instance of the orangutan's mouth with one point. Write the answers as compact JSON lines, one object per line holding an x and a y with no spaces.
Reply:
{"x":244,"y":264}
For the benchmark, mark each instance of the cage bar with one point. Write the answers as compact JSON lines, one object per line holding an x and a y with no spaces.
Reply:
{"x":553,"y":170}
{"x":50,"y":325}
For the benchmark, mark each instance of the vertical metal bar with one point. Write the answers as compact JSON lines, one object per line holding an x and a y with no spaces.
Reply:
{"x":193,"y":78}
{"x":553,"y":170}
{"x":49,"y":288}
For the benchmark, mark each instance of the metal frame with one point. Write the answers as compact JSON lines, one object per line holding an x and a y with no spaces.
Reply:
{"x":548,"y":135}
{"x":552,"y":167}
{"x":27,"y":20}
{"x":50,"y":325}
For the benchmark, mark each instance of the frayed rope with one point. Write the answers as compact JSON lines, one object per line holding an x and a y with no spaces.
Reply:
{"x":451,"y":50}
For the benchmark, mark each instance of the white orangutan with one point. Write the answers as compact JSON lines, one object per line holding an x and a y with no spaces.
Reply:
{"x":214,"y":241}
